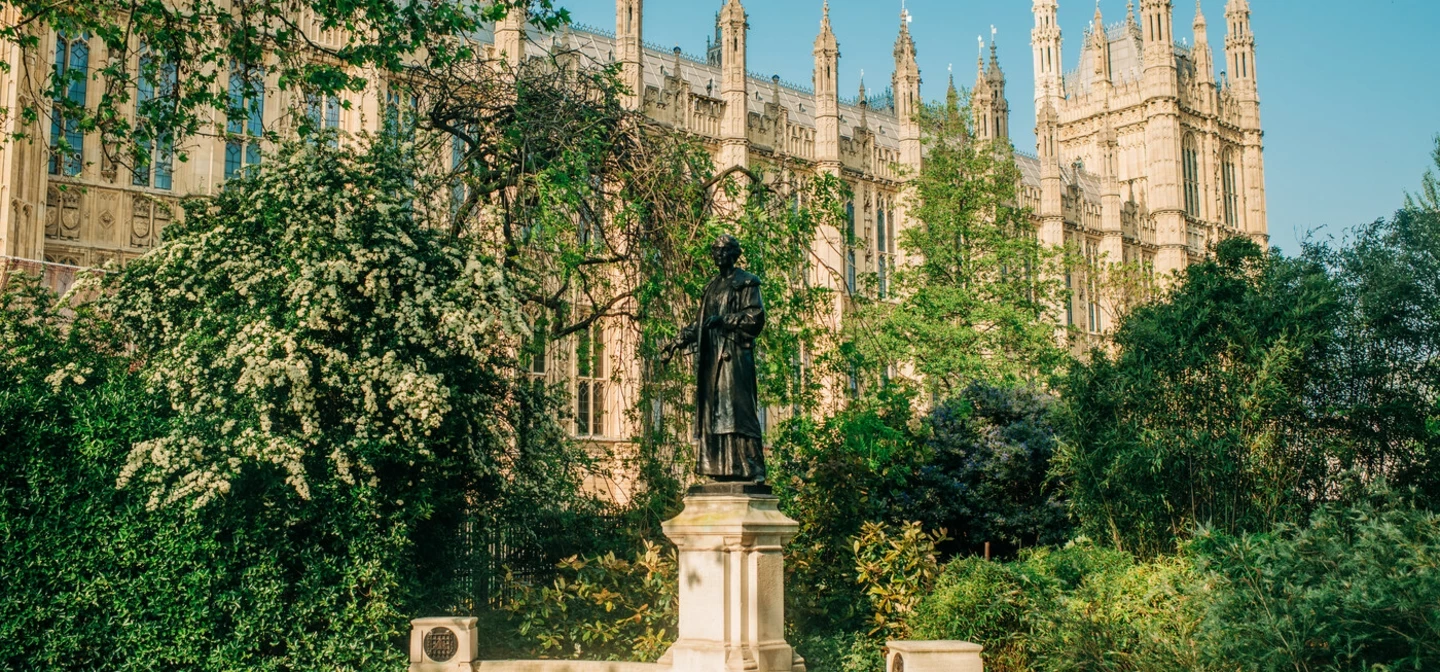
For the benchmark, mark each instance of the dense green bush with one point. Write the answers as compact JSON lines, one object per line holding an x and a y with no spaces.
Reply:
{"x":602,"y":607}
{"x":1203,"y":413}
{"x":1082,"y":607}
{"x":896,"y":570}
{"x":1354,"y":588}
{"x":96,"y":580}
{"x":840,"y":652}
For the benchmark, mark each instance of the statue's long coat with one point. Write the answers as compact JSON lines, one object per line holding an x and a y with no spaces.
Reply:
{"x":725,"y":392}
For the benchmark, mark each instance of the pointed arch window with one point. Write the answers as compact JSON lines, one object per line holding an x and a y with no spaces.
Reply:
{"x":1230,"y":193}
{"x":1190,"y":164}
{"x":72,"y":73}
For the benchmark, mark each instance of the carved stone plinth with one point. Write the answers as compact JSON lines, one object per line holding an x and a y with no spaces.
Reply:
{"x":732,"y":584}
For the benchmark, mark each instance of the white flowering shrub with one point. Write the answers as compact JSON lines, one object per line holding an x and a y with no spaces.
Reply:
{"x":302,"y":323}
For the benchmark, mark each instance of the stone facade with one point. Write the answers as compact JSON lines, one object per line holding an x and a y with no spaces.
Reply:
{"x":1144,"y":154}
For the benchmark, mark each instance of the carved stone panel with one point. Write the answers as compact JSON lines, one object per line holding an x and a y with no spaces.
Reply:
{"x":147,"y":217}
{"x":142,"y":212}
{"x":107,"y":203}
{"x":62,"y":214}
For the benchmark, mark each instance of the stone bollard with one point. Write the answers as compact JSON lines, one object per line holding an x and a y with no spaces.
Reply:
{"x":732,"y":581}
{"x":933,"y":656}
{"x":443,"y":644}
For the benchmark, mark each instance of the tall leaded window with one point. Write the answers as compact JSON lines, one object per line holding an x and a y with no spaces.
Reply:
{"x":72,"y":72}
{"x":850,"y":247}
{"x":590,"y":381}
{"x":155,"y":163}
{"x":1230,"y":194}
{"x":1190,"y":160}
{"x":244,"y":124}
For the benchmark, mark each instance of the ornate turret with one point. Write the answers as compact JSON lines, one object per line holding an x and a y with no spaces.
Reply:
{"x":1047,"y":145}
{"x":1240,"y":59}
{"x":1046,"y":42}
{"x":1163,"y":193}
{"x":991,"y":109}
{"x":1158,"y":32}
{"x":827,"y":96}
{"x":510,"y":35}
{"x":907,"y":95}
{"x":629,"y":36}
{"x":1240,"y":47}
{"x":1204,"y":60}
{"x":734,"y":149}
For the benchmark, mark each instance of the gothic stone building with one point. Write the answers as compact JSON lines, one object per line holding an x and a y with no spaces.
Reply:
{"x":1144,"y":154}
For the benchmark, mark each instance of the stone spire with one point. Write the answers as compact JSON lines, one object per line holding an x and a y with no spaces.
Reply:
{"x":1100,"y":43}
{"x":864,"y":103}
{"x":827,"y":96}
{"x":629,"y":38}
{"x":982,"y":98}
{"x":734,"y":149}
{"x":907,"y":95}
{"x":1204,"y":59}
{"x":1047,"y":146}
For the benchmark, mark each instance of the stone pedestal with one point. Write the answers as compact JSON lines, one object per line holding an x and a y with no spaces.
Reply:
{"x":732,"y":583}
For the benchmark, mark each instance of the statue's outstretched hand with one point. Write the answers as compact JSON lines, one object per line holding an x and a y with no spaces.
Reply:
{"x":668,"y":352}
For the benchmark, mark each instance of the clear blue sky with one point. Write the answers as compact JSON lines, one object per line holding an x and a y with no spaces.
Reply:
{"x":1350,"y":89}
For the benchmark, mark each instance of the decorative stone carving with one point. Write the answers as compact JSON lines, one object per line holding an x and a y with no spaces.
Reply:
{"x":444,"y":644}
{"x":62,"y":213}
{"x":143,"y":225}
{"x":148,"y":217}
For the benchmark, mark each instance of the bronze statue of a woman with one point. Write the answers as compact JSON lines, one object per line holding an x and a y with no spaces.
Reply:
{"x":722,"y":338}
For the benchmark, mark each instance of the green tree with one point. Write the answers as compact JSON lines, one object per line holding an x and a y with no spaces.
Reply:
{"x":1205,"y":412}
{"x":974,"y":299}
{"x":1379,"y":391}
{"x":1429,"y":196}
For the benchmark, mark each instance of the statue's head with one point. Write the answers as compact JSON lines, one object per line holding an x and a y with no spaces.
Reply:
{"x":725,"y":251}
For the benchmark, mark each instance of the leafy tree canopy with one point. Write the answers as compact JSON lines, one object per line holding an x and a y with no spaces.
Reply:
{"x":973,"y":299}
